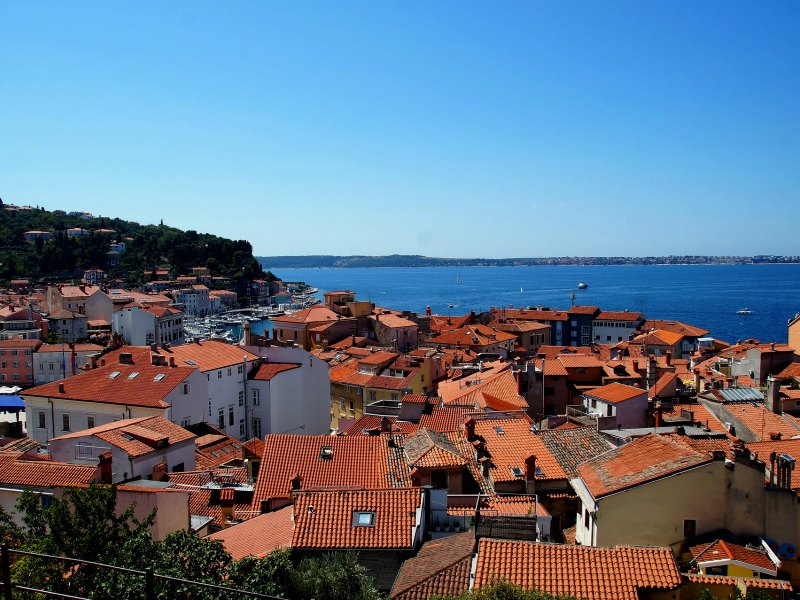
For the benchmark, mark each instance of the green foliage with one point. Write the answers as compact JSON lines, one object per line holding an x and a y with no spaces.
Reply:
{"x":84,"y":524}
{"x":705,"y":594}
{"x":336,"y":576}
{"x":503,"y":590}
{"x":149,"y":245}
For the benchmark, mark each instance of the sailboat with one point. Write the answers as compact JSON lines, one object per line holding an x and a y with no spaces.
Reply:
{"x":458,"y":279}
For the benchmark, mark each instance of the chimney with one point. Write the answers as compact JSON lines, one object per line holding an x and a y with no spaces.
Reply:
{"x":386,"y":425}
{"x":772,"y":346}
{"x":125,"y":358}
{"x":530,"y":474}
{"x":469,"y":429}
{"x":668,"y":357}
{"x":159,"y":471}
{"x":171,"y":361}
{"x":772,"y":399}
{"x":485,"y":463}
{"x":154,"y":347}
{"x":105,"y":467}
{"x":61,"y":388}
{"x":226,"y":506}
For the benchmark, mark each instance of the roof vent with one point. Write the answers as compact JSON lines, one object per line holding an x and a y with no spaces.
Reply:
{"x":326,"y":452}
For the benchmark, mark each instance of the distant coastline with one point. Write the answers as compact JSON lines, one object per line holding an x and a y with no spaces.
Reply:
{"x":408,"y":260}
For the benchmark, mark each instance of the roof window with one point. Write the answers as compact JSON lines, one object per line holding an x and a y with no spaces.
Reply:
{"x":190,"y":362}
{"x":159,"y":377}
{"x":499,"y":430}
{"x":133,"y":375}
{"x":114,"y":375}
{"x":516,"y":472}
{"x":326,"y":452}
{"x":363,"y":518}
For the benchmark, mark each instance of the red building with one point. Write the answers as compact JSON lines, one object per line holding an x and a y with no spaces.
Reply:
{"x":16,"y":361}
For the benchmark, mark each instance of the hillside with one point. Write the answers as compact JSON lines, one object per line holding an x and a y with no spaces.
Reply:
{"x":63,"y":257}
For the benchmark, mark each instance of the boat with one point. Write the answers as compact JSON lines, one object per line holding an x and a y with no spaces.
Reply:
{"x":458,"y":279}
{"x":744,"y":311}
{"x":582,"y":286}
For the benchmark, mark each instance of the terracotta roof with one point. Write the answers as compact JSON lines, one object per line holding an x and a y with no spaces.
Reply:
{"x":578,"y":361}
{"x":426,"y":448}
{"x":329,"y":519}
{"x":674,"y":326}
{"x":517,"y":506}
{"x":749,"y":582}
{"x":258,"y":536}
{"x":615,"y":392}
{"x":659,"y":338}
{"x":309,"y":315}
{"x":510,"y":442}
{"x":518,"y":326}
{"x":720,"y":550}
{"x":661,"y":385}
{"x":790,"y":372}
{"x":584,"y":572}
{"x":700,"y":414}
{"x":379,"y":358}
{"x":583,"y":310}
{"x":213,"y":450}
{"x":448,"y":323}
{"x":355,"y":461}
{"x":254,"y":447}
{"x":266,"y":371}
{"x":643,"y":460}
{"x":78,"y":291}
{"x":501,"y":385}
{"x":373,"y":423}
{"x":17,"y":470}
{"x":445,"y":418}
{"x":66,"y":349}
{"x":574,"y":445}
{"x":531,"y":314}
{"x":391,"y":320}
{"x":209,"y":355}
{"x":609,"y":315}
{"x":472,"y":335}
{"x":101,"y":385}
{"x":441,"y":567}
{"x":762,"y":422}
{"x":19,"y":343}
{"x":204,"y":500}
{"x":136,"y":437}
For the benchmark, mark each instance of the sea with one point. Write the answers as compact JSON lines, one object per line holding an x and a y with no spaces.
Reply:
{"x":707,"y":296}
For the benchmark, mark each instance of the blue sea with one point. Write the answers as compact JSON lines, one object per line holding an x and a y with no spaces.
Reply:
{"x":704,"y":295}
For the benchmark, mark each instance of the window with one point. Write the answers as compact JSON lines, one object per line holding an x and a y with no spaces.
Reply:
{"x":352,"y":404}
{"x":41,"y":366}
{"x":89,"y":422}
{"x":586,"y":518}
{"x":257,"y":428}
{"x":610,"y":411}
{"x":256,"y":397}
{"x":229,"y":372}
{"x":585,"y":330}
{"x":219,"y":374}
{"x":15,"y":352}
{"x":209,"y":408}
{"x":186,"y":388}
{"x":16,"y":376}
{"x":179,"y":468}
{"x":46,"y":500}
{"x":230,"y":415}
{"x":16,"y":364}
{"x":241,"y":427}
{"x":186,"y":422}
{"x":341,"y":403}
{"x":221,"y":419}
{"x":689,"y":528}
{"x":240,"y":369}
{"x":42,"y":420}
{"x":64,"y":422}
{"x":373,"y":396}
{"x":241,"y":398}
{"x":363,"y":518}
{"x":28,"y":376}
{"x":295,"y":335}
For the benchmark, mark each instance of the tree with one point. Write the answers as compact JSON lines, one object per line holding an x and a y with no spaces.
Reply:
{"x":272,"y":574}
{"x":336,"y":576}
{"x":503,"y":590}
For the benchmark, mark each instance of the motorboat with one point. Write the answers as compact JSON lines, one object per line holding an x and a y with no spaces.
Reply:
{"x":582,"y":286}
{"x":744,"y":311}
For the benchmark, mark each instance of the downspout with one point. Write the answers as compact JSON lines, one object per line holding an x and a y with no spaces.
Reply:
{"x":246,"y":416}
{"x":52,"y":417}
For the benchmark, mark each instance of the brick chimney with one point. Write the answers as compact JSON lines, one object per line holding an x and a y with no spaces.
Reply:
{"x":386,"y":425}
{"x":106,"y":474}
{"x":668,"y":358}
{"x":530,"y":474}
{"x":469,"y":429}
{"x":159,"y":471}
{"x":227,"y":510}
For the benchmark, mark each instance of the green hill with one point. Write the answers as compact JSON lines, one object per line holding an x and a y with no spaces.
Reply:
{"x":146,"y":246}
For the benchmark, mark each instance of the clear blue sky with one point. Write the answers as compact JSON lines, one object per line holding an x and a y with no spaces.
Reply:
{"x":441,"y":128}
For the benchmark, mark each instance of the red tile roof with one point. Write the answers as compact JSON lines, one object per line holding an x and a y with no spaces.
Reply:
{"x":584,"y":572}
{"x":99,"y":385}
{"x":328,"y":519}
{"x":749,"y":582}
{"x":314,"y":314}
{"x":608,"y":315}
{"x":426,"y":448}
{"x":674,"y":326}
{"x":209,"y":355}
{"x":646,"y":459}
{"x":258,"y":536}
{"x":501,"y":385}
{"x":720,"y":550}
{"x":509,"y":442}
{"x":215,"y":449}
{"x":17,"y":470}
{"x":267,"y":371}
{"x":441,"y":567}
{"x":356,"y":461}
{"x":615,"y":392}
{"x":472,"y":335}
{"x":205,"y":488}
{"x":136,"y":437}
{"x":763,"y":423}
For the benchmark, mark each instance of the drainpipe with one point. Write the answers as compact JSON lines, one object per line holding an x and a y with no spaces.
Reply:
{"x":244,"y":386}
{"x":52,"y":417}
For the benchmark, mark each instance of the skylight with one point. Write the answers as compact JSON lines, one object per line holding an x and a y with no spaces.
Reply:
{"x":516,"y":472}
{"x":159,"y":377}
{"x":500,"y":430}
{"x":114,"y":375}
{"x":190,"y":362}
{"x":363,"y":518}
{"x":133,"y":375}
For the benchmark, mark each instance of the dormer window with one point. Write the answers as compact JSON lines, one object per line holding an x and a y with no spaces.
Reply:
{"x":363,"y":518}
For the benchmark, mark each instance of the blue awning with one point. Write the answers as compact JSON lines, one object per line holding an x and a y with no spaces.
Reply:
{"x":11,"y":403}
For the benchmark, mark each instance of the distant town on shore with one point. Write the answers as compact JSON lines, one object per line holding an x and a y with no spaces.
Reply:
{"x":413,"y":260}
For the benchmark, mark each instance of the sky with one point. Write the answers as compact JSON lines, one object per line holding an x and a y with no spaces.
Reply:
{"x":447,"y":128}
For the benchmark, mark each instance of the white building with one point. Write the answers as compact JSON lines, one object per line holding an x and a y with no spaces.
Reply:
{"x":114,"y":391}
{"x":52,"y":362}
{"x":145,"y":325}
{"x":289,"y":393}
{"x":610,"y":327}
{"x":194,"y":300}
{"x":617,"y":406}
{"x":145,"y":448}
